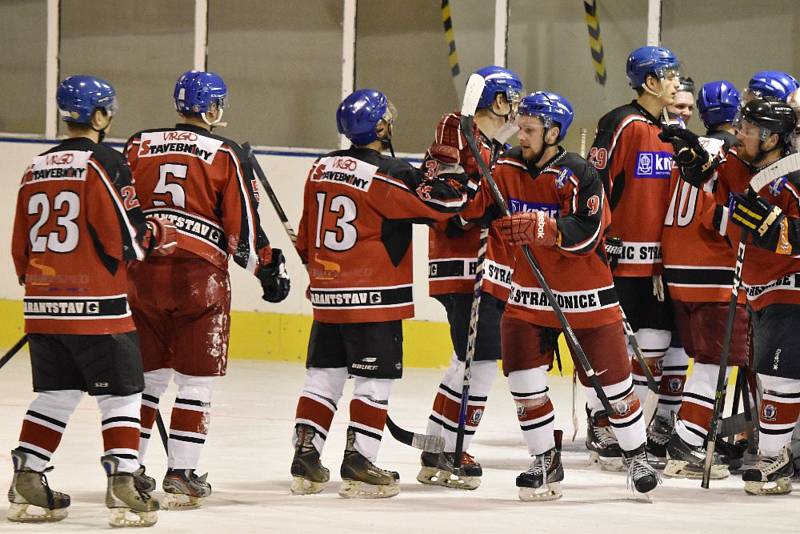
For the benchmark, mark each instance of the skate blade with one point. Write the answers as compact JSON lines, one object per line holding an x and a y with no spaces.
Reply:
{"x":682,"y":469}
{"x":125,"y":517}
{"x":781,"y":486}
{"x":548,"y":492}
{"x":355,"y":489}
{"x":438,"y":477}
{"x":180,"y":501}
{"x":21,"y":513}
{"x":303,"y":486}
{"x":607,"y":464}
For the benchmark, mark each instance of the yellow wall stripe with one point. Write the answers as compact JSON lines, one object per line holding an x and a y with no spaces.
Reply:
{"x":595,"y":42}
{"x":450,"y":37}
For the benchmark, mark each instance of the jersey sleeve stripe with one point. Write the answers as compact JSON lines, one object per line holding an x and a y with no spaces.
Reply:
{"x":129,"y":238}
{"x":392,"y":181}
{"x":512,"y":162}
{"x":248,"y":214}
{"x":620,"y":128}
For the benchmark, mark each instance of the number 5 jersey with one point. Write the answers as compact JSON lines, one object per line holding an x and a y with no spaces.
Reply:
{"x":77,"y":222}
{"x":355,"y":233}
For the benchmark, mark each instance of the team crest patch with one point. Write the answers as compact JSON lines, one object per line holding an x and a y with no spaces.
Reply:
{"x":521,"y":411}
{"x":476,"y":416}
{"x":769,"y":412}
{"x":563,"y":177}
{"x":675,"y":385}
{"x":622,"y":407}
{"x":777,"y":186}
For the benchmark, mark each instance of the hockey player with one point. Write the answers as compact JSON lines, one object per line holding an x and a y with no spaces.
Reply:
{"x":204,"y":184}
{"x":559,"y":210}
{"x":355,"y":239}
{"x":452,"y":253}
{"x":682,"y":108}
{"x":634,"y":165}
{"x":698,"y":270}
{"x":718,"y":103}
{"x":772,"y":220}
{"x":77,"y":223}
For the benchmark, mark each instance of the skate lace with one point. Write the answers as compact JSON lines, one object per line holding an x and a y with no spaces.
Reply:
{"x":540,"y":464}
{"x":769,"y":464}
{"x":51,"y":501}
{"x":604,"y":435}
{"x":661,"y":430}
{"x":637,"y":468}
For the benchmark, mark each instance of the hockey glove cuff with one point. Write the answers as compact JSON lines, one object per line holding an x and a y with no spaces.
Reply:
{"x":274,"y":279}
{"x":529,"y":228}
{"x":161,"y":237}
{"x":768,"y":224}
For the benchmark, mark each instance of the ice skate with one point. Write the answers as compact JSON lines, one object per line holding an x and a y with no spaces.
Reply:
{"x":641,"y":474}
{"x":687,"y":461}
{"x":361,"y":479}
{"x":308,"y":473}
{"x":144,"y":482}
{"x":32,"y":500}
{"x":128,"y":506}
{"x":602,"y":443}
{"x":184,"y":489}
{"x":542,"y":480}
{"x":772,"y":475}
{"x":658,"y":435}
{"x":439,"y":470}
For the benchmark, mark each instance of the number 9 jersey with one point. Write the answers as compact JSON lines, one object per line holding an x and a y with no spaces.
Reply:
{"x":77,"y":222}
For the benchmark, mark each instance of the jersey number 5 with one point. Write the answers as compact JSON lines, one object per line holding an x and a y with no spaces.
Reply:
{"x":64,"y":238}
{"x":345,"y":235}
{"x":174,"y":190}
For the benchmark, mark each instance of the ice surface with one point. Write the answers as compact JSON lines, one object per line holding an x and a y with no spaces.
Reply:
{"x":248,"y":454}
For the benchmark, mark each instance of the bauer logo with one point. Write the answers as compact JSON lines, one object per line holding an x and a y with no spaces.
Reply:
{"x":653,"y":165}
{"x":520,"y":206}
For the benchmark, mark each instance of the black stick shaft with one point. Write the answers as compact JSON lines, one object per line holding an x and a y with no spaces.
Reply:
{"x":13,"y":350}
{"x":162,"y":431}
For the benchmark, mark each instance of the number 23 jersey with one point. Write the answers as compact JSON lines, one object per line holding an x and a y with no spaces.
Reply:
{"x":204,"y":184}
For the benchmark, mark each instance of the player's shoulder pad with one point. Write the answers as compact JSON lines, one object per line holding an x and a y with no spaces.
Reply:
{"x":572,"y":165}
{"x":512,"y":156}
{"x":112,"y":160}
{"x":611,"y":120}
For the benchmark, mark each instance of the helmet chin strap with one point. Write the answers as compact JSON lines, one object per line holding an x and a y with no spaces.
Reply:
{"x":650,"y":91}
{"x":217,"y":123}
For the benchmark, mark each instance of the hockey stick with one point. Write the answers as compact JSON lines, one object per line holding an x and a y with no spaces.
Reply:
{"x":162,"y":431}
{"x":764,"y":177}
{"x":13,"y":350}
{"x":426,"y":442}
{"x":471,"y":96}
{"x":651,"y":401}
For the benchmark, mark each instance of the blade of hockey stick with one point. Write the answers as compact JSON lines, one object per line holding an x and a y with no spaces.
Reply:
{"x":782,"y":167}
{"x":13,"y":350}
{"x":425,"y":442}
{"x":472,"y":95}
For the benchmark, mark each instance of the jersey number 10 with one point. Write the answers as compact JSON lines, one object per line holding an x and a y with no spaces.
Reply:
{"x":683,"y":205}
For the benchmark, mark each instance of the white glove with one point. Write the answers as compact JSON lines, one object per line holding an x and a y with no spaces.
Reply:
{"x":658,"y":287}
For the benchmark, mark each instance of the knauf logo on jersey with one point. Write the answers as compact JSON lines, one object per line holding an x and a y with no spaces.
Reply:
{"x":520,"y":206}
{"x":653,"y":165}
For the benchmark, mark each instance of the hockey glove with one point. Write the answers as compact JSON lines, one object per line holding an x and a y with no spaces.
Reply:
{"x":161,"y":237}
{"x":614,"y":250}
{"x":274,"y":280}
{"x":529,"y":228}
{"x":690,"y":156}
{"x":768,"y":224}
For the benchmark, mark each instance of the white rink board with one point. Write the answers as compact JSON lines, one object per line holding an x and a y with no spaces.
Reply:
{"x":248,"y":456}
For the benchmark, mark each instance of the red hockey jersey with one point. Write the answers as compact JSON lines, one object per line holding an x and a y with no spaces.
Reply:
{"x":355,"y":233}
{"x":77,"y":223}
{"x":204,"y":184}
{"x":634,"y":165}
{"x":577,"y":271}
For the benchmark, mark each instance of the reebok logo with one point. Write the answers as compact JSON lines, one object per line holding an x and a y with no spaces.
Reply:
{"x":653,"y":165}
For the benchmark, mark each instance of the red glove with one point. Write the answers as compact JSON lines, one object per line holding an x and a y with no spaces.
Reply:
{"x":162,"y":236}
{"x":529,"y":228}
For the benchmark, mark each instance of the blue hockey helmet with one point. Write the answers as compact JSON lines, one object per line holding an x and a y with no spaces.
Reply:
{"x":79,"y":96}
{"x":771,"y":83}
{"x":499,"y":80}
{"x":655,"y":60}
{"x":196,"y":90}
{"x":552,"y":108}
{"x":717,"y":102}
{"x":359,"y":114}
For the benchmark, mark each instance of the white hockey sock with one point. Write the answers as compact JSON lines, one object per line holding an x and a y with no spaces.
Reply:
{"x":368,"y":414}
{"x":534,"y":409}
{"x":44,"y":424}
{"x":694,"y":417}
{"x":654,"y":344}
{"x":627,"y":421}
{"x":155,"y":384}
{"x":316,"y":405}
{"x":673,"y":376}
{"x":780,"y":408}
{"x":445,"y":391}
{"x":191,"y":416}
{"x":120,"y":423}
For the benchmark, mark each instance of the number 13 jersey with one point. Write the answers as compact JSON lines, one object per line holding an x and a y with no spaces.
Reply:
{"x":204,"y":184}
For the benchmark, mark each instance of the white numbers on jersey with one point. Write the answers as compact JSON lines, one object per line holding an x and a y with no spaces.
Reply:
{"x":682,"y":206}
{"x":39,"y":204}
{"x":345,"y":235}
{"x":173,"y":189}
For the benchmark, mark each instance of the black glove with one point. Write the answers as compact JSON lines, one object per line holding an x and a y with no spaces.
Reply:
{"x":274,"y":279}
{"x":768,"y":224}
{"x":689,"y":153}
{"x":613,"y":250}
